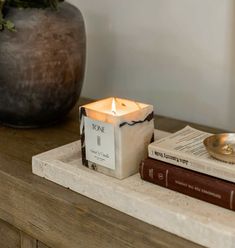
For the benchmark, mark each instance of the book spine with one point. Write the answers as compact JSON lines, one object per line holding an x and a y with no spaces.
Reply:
{"x":194,"y":184}
{"x":169,"y":157}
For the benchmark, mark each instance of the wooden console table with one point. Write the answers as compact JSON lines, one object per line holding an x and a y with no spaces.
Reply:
{"x":36,"y":213}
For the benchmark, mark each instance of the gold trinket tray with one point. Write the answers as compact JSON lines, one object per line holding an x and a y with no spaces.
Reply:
{"x":221,"y":146}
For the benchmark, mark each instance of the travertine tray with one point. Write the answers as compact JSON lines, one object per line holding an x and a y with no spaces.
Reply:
{"x":192,"y":219}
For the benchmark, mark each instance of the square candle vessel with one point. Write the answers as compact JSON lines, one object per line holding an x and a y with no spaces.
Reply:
{"x":115,"y":134}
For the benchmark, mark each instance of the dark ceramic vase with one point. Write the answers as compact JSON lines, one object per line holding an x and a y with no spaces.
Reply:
{"x":41,"y":65}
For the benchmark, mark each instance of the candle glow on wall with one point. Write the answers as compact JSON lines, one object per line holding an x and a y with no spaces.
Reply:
{"x":115,"y":134}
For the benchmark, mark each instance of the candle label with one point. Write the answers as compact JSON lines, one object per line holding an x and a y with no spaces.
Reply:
{"x":100,"y":142}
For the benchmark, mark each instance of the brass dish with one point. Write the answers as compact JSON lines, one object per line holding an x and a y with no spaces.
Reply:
{"x":221,"y":146}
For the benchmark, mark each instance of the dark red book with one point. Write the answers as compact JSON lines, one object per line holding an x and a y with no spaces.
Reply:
{"x":191,"y":183}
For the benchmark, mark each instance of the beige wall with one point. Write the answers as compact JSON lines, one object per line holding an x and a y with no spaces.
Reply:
{"x":178,"y":55}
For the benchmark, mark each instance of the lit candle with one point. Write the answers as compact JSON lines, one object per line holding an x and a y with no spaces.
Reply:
{"x":115,"y":134}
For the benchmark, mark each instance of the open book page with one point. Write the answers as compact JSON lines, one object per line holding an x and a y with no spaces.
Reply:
{"x":188,"y":141}
{"x":186,"y":145}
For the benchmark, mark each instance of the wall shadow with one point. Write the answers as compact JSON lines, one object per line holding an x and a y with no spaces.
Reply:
{"x":101,"y":56}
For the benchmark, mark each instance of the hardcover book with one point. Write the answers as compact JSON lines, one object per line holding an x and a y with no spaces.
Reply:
{"x":185,"y":149}
{"x":197,"y":185}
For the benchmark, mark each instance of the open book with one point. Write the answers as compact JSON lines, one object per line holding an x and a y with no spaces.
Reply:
{"x":185,"y":149}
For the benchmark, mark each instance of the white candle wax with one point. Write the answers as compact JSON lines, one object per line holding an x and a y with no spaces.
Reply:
{"x":115,"y":134}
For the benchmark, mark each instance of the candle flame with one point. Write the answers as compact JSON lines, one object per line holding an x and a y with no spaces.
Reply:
{"x":114,"y":109}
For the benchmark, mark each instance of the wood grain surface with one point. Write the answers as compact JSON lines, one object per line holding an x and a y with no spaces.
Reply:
{"x":41,"y":245}
{"x":28,"y":242}
{"x":9,"y":236}
{"x":57,"y":216}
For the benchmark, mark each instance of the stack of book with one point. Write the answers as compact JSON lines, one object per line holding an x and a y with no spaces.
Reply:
{"x":181,"y":163}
